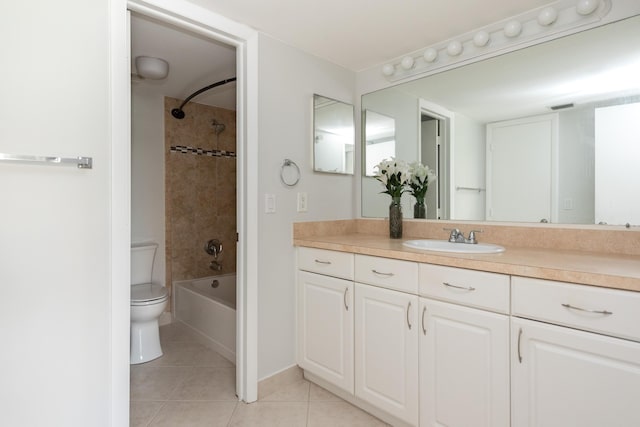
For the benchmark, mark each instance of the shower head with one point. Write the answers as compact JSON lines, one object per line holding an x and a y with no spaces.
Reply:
{"x":179,"y":114}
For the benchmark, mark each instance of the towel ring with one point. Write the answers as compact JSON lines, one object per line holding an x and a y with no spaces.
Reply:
{"x":289,"y":182}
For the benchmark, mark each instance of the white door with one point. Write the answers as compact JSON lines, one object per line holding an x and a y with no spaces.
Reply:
{"x":464,"y":366}
{"x":325,"y":328}
{"x":64,"y":280}
{"x":430,"y":156}
{"x":563,"y":377}
{"x":617,"y":159}
{"x":386,"y":350}
{"x":521,"y":169}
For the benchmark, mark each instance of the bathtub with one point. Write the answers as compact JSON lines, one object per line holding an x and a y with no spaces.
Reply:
{"x":210,"y":311}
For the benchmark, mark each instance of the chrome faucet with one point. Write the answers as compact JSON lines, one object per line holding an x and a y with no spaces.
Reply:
{"x":457,"y":236}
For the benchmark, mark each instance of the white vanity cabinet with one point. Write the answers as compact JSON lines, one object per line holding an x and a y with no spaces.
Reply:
{"x":386,"y":352}
{"x":464,"y":351}
{"x":569,"y":375}
{"x":386,"y":335}
{"x":325,"y":315}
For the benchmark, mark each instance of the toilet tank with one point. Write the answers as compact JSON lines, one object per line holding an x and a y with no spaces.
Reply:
{"x":142,"y":257}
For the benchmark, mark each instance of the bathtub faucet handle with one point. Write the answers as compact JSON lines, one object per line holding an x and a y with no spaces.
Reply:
{"x":213,"y":247}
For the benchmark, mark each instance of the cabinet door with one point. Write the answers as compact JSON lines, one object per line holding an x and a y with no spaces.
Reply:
{"x":464,"y":366}
{"x":325,"y":328}
{"x":386,"y":353}
{"x":564,"y":377}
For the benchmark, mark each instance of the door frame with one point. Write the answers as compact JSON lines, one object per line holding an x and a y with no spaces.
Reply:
{"x":204,"y":22}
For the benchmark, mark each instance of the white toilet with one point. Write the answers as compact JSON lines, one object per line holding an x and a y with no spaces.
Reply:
{"x":148,"y":301}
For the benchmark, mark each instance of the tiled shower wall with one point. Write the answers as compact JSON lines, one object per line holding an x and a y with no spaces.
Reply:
{"x":200,"y":185}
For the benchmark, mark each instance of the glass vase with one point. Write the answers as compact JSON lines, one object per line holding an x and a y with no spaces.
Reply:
{"x":395,"y":218}
{"x":419,"y":209}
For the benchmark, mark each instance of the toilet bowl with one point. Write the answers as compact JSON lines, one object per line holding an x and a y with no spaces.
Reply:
{"x":148,"y":301}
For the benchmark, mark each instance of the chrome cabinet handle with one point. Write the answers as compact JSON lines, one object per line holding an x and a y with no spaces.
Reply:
{"x":424,"y":328}
{"x":466,"y":288}
{"x":519,"y":339}
{"x":346,"y":306}
{"x":322,"y":262}
{"x":382,"y":274}
{"x":603,"y":312}
{"x":408,"y":308}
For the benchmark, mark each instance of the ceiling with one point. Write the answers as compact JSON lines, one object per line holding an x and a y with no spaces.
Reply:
{"x":356,"y":34}
{"x":359,"y":34}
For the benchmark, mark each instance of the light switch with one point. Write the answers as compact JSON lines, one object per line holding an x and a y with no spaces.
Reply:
{"x":269,"y":203}
{"x":302,"y":202}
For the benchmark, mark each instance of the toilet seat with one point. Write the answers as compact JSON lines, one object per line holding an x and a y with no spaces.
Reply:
{"x":148,"y":293}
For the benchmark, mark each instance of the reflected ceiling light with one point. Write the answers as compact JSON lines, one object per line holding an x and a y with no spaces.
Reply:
{"x":587,"y":7}
{"x":513,"y":29}
{"x":152,"y":68}
{"x":454,"y":48}
{"x":481,"y":38}
{"x":547,"y":16}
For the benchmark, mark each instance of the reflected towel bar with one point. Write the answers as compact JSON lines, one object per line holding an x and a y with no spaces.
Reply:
{"x":471,"y":188}
{"x":80,"y":162}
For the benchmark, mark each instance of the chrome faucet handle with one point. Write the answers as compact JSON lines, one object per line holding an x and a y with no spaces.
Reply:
{"x":455,"y":234}
{"x":472,"y":236}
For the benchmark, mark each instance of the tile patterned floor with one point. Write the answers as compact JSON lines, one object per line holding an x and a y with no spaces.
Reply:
{"x":193,"y":386}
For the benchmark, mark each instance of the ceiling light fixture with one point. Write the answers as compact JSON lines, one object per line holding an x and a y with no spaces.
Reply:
{"x":561,"y":16}
{"x":152,"y":68}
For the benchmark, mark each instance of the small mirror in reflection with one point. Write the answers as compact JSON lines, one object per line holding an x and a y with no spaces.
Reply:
{"x":333,"y":136}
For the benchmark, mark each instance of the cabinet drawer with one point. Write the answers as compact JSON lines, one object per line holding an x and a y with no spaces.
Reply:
{"x":388,"y":273}
{"x":330,"y":263}
{"x":480,"y":289}
{"x":607,"y":311}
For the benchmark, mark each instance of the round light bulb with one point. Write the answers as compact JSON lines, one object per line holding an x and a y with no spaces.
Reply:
{"x":454,"y":48}
{"x":547,"y":16}
{"x":430,"y":54}
{"x":388,"y":69}
{"x":407,"y":62}
{"x":481,"y":38}
{"x":587,"y":7}
{"x":513,"y":29}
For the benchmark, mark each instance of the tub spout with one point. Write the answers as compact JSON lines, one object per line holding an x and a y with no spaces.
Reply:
{"x":215,"y":265}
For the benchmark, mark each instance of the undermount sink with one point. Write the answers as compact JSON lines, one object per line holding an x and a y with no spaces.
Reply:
{"x":460,"y":248}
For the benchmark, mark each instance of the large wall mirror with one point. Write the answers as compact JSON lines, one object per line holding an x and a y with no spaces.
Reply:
{"x":333,"y":135}
{"x":549,"y":133}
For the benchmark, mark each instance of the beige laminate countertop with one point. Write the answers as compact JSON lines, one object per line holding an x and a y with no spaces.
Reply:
{"x":589,"y":268}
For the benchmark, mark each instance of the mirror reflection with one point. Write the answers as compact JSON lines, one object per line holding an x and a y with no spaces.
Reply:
{"x":379,"y":139}
{"x":544,"y":134}
{"x":333,"y":135}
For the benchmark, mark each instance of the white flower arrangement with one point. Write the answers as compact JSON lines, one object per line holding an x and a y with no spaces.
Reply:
{"x":421,"y":177}
{"x":394,"y":175}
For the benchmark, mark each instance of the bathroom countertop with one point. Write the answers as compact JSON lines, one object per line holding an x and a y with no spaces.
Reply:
{"x":588,"y":268}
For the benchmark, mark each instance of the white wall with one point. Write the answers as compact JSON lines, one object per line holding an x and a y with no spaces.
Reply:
{"x":57,"y":281}
{"x":147,"y":172}
{"x":288,"y":78}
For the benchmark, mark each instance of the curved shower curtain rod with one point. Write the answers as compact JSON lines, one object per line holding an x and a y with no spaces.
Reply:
{"x":179,"y":114}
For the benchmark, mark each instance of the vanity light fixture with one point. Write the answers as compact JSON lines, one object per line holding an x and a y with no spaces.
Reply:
{"x":561,"y":16}
{"x":454,"y":48}
{"x":513,"y":29}
{"x":481,"y":38}
{"x":547,"y":16}
{"x":430,"y":54}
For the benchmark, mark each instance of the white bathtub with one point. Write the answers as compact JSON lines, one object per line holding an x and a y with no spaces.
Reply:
{"x":209,"y":310}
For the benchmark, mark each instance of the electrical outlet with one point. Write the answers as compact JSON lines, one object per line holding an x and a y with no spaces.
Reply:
{"x":302,"y":202}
